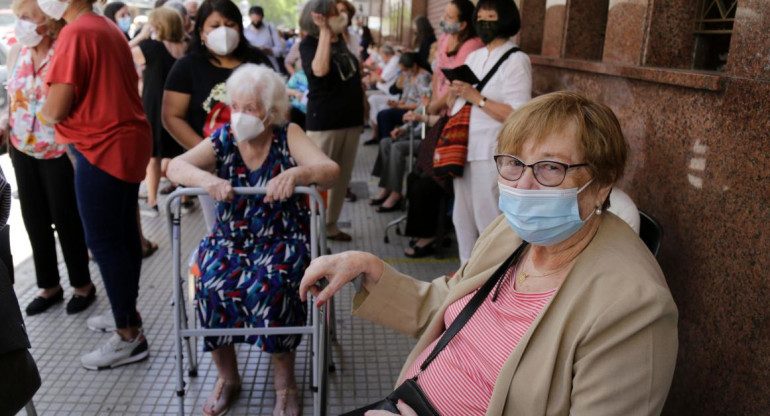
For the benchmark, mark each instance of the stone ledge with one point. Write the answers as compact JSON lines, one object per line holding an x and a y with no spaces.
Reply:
{"x":678,"y":77}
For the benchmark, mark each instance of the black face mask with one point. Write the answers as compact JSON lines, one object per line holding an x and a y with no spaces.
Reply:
{"x":487,"y":30}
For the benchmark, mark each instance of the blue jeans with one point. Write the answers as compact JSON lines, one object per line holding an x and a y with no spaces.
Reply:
{"x":107,"y":206}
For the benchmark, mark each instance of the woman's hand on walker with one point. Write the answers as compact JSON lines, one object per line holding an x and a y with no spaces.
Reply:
{"x":402,"y":407}
{"x":220,"y":190}
{"x":338,"y":270}
{"x":281,"y":187}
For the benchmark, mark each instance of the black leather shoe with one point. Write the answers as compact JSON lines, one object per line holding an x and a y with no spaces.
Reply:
{"x":80,"y":303}
{"x":397,"y":206}
{"x":371,"y":142}
{"x":41,"y":304}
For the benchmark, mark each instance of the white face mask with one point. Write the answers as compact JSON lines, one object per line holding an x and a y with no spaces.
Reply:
{"x":338,"y":23}
{"x":53,"y":8}
{"x":223,"y":40}
{"x":26,"y":33}
{"x":246,"y":127}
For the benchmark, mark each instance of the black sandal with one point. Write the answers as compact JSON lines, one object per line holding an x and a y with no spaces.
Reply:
{"x":397,"y":206}
{"x":378,"y":201}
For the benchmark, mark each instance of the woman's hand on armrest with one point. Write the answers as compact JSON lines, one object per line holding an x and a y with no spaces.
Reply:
{"x":338,"y":270}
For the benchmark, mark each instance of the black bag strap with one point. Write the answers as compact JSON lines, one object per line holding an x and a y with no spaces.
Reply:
{"x":472,"y":306}
{"x":480,"y":86}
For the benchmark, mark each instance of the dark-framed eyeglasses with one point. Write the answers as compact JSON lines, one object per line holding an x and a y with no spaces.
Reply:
{"x":547,"y":172}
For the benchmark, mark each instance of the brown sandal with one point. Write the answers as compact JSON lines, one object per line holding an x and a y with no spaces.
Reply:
{"x":228,"y":388}
{"x":283,"y":396}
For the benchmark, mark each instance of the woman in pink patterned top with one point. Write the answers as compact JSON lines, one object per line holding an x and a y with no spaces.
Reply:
{"x":44,"y":173}
{"x":457,"y":41}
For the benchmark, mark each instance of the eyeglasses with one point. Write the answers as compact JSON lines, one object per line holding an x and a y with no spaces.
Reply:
{"x":547,"y":172}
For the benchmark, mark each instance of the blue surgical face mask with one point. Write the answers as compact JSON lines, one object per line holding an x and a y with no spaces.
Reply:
{"x":124,"y":23}
{"x":542,"y":217}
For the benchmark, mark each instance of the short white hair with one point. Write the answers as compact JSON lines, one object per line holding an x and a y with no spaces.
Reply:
{"x":263,"y":84}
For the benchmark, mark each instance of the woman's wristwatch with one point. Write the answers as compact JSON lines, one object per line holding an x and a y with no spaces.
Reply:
{"x":483,"y":102}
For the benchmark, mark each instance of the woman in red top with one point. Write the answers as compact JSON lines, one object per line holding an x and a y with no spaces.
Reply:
{"x":91,"y":69}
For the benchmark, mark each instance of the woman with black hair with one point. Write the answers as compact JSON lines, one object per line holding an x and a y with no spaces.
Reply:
{"x":335,"y":111}
{"x":390,"y":165}
{"x":458,"y":39}
{"x":510,"y":87}
{"x":118,"y":12}
{"x":423,"y":39}
{"x":194,"y":97}
{"x":367,"y":40}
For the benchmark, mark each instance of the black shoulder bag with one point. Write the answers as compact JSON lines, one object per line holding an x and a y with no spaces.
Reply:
{"x":409,"y":391}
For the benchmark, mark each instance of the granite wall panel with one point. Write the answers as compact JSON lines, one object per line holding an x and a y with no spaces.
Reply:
{"x":700,"y":164}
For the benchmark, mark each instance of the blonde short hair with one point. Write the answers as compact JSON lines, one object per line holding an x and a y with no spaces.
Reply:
{"x":169,"y":24}
{"x":599,"y":135}
{"x":53,"y":27}
{"x":264,"y":85}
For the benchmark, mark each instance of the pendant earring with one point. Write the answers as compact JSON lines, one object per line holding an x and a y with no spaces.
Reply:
{"x":598,"y":211}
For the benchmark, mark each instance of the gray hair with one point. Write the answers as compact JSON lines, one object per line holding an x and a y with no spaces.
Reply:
{"x":306,"y":17}
{"x":263,"y":84}
{"x":387,"y":48}
{"x":178,"y":6}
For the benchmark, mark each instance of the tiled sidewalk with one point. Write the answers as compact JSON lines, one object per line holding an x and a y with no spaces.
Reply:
{"x":368,"y":357}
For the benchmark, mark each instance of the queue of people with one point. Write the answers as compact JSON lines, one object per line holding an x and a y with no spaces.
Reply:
{"x":529,"y":198}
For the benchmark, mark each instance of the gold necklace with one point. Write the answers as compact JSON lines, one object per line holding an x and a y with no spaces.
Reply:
{"x":524,"y":276}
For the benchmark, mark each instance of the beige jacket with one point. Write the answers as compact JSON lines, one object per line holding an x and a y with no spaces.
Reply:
{"x":606,"y":344}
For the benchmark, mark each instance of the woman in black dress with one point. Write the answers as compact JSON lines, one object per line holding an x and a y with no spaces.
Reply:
{"x":158,"y":54}
{"x":194,"y":97}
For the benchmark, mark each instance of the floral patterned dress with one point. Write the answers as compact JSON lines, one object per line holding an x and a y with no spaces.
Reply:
{"x":252,"y":263}
{"x":27,"y":92}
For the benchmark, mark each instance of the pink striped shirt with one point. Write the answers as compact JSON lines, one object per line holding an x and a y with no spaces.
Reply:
{"x":461,"y":378}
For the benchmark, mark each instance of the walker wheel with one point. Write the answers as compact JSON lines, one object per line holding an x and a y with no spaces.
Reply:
{"x":192,"y":373}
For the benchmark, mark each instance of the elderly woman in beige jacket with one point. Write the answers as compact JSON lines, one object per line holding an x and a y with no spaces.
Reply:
{"x":603,"y":338}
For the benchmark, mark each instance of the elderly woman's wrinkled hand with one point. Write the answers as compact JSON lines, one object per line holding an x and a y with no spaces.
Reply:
{"x":281,"y":187}
{"x":220,"y":190}
{"x":338,"y":270}
{"x":403,"y":408}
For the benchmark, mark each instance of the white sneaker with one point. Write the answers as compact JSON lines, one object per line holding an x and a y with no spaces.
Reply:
{"x":116,"y":352}
{"x":101,"y":323}
{"x":149,"y":211}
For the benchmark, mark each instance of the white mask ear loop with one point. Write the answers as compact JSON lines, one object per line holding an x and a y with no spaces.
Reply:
{"x":597,"y":211}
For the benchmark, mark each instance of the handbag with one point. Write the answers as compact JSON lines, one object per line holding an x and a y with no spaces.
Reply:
{"x":452,"y":147}
{"x":424,"y":164}
{"x":409,"y":391}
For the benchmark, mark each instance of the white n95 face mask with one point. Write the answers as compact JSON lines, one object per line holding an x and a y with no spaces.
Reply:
{"x":26,"y":33}
{"x":53,"y":8}
{"x":246,"y":127}
{"x":223,"y":40}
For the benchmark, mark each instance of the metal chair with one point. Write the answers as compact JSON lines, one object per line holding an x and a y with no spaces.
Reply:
{"x":651,"y":232}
